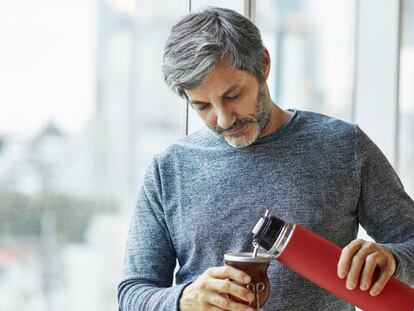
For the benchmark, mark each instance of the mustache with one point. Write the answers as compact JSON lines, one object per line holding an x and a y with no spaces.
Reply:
{"x":236,"y":124}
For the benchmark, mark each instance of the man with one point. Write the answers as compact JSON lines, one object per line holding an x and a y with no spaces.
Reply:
{"x":202,"y":196}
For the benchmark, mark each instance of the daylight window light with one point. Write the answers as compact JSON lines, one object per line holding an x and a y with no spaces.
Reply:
{"x":127,"y":7}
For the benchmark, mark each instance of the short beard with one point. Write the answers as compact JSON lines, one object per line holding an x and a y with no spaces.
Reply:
{"x":263,"y":111}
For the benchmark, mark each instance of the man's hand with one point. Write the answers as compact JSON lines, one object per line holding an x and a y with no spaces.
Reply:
{"x":209,"y":291}
{"x":357,"y":264}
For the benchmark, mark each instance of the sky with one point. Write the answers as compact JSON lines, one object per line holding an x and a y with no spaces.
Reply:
{"x":47,"y":64}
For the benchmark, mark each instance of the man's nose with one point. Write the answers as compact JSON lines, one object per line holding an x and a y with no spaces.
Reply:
{"x":225,"y":117}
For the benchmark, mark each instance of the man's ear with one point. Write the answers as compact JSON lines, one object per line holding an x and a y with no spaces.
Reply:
{"x":266,"y":64}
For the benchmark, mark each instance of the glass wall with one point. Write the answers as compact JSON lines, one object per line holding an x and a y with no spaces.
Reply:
{"x":82,"y":109}
{"x":406,"y":113}
{"x":311,"y":43}
{"x":236,"y":5}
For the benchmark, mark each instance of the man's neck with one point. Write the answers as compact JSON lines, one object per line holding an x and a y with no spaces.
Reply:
{"x":278,"y":118}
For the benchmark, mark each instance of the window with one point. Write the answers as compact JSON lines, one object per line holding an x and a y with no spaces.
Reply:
{"x":406,"y":113}
{"x":83,"y":108}
{"x":312,"y":49}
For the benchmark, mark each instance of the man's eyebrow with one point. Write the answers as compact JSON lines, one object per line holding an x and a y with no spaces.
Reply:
{"x":230,"y":89}
{"x":196,"y":102}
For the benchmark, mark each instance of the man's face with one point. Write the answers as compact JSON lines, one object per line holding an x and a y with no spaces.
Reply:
{"x":233,"y":104}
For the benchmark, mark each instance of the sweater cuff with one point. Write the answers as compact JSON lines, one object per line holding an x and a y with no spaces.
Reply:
{"x":178,"y":290}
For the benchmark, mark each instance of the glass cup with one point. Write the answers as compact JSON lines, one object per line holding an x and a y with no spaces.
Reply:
{"x":256,"y":268}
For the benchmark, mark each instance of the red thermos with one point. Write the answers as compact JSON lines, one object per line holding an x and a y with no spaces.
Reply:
{"x":316,"y":259}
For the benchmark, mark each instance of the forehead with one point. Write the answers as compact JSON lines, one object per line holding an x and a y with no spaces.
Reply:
{"x":219,"y":80}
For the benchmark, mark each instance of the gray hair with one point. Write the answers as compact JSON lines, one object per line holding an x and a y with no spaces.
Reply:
{"x":199,"y":40}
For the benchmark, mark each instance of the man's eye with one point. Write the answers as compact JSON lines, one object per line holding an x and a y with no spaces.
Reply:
{"x":200,"y":106}
{"x":232,"y":97}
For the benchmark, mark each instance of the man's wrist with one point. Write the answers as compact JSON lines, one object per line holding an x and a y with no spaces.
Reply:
{"x":180,"y":306}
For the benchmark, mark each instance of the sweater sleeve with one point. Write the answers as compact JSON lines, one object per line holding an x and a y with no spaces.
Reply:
{"x":150,"y":257}
{"x":385,"y":210}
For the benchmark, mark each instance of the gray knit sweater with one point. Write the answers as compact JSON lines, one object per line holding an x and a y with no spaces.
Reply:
{"x":201,"y":198}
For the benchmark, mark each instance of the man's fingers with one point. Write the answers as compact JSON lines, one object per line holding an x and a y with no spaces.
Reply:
{"x":371,"y":262}
{"x":345,"y":260}
{"x":358,"y":262}
{"x":228,"y":272}
{"x":225,"y":303}
{"x":352,"y":278}
{"x":228,"y":287}
{"x":379,"y":285}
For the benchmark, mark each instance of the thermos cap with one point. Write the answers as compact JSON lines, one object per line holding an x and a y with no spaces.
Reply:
{"x":267,"y":230}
